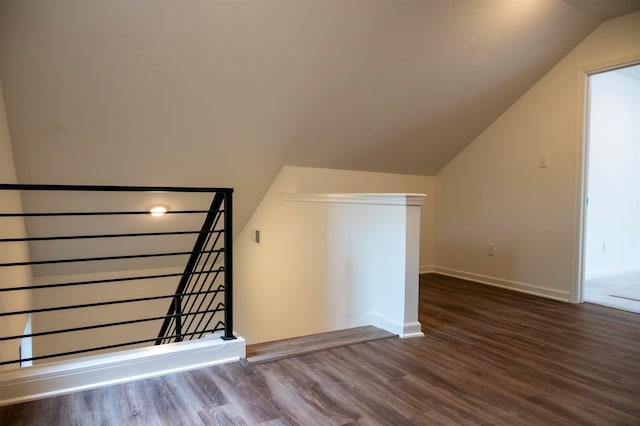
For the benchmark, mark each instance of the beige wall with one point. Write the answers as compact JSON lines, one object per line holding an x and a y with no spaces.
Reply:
{"x":494,"y":192}
{"x":83,"y":317}
{"x":11,"y":252}
{"x":316,"y":180}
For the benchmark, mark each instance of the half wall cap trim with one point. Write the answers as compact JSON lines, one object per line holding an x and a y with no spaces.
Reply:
{"x":393,"y":199}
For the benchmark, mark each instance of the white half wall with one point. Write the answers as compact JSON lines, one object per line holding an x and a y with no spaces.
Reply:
{"x":327,"y":261}
{"x":495,"y":192}
{"x":316,"y":180}
{"x":11,"y":227}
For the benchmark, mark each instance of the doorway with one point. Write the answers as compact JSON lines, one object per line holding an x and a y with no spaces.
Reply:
{"x":612,"y":226}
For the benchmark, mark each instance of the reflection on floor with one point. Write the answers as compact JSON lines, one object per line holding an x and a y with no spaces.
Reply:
{"x":616,"y":291}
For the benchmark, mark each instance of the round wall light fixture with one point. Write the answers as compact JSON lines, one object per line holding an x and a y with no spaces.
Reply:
{"x":158,"y":211}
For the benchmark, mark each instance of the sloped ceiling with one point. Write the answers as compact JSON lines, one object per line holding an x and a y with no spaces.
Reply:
{"x":226,"y":92}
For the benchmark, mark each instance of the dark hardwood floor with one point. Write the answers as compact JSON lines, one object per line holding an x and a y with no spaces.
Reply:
{"x":490,"y":356}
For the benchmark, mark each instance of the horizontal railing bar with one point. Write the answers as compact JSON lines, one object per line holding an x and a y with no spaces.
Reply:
{"x":82,"y":237}
{"x":210,"y":296}
{"x":111,"y":324}
{"x":110,"y":302}
{"x":119,"y":345}
{"x":104,"y":281}
{"x":108,"y":188}
{"x":110,"y":213}
{"x":170,"y":336}
{"x":92,"y":259}
{"x":202,"y":332}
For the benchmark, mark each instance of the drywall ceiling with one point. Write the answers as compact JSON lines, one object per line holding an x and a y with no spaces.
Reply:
{"x":226,"y":92}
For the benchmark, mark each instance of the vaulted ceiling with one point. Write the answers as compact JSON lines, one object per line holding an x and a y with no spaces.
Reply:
{"x":226,"y":92}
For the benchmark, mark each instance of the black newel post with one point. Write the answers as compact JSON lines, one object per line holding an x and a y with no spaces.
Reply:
{"x":228,"y":266}
{"x":178,"y":318}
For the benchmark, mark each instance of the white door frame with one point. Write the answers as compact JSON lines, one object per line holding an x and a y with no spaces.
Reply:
{"x":583,"y":158}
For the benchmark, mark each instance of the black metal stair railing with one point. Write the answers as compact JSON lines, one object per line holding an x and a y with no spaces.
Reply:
{"x":204,"y":260}
{"x":201,"y":305}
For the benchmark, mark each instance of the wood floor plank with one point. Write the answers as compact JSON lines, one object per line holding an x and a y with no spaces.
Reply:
{"x":489,"y":356}
{"x":312,"y":402}
{"x":222,"y":415}
{"x":246,"y":392}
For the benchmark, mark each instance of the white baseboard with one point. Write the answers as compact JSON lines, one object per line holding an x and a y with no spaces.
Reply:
{"x":547,"y":292}
{"x":427,"y":269}
{"x":410,"y":329}
{"x":43,"y":381}
{"x":371,"y":318}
